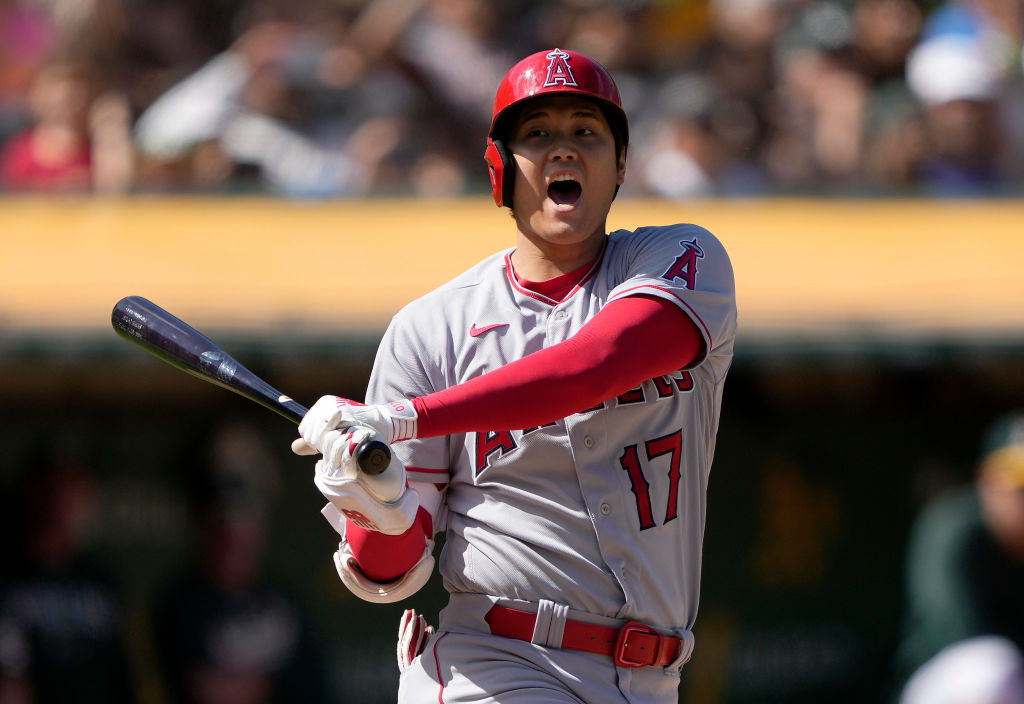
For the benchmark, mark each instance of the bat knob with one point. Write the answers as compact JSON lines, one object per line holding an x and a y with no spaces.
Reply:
{"x":373,"y":457}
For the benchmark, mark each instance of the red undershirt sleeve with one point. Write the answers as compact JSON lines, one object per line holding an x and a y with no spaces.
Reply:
{"x":629,"y":341}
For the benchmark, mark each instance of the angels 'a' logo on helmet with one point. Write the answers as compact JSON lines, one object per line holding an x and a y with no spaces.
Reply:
{"x":559,"y":72}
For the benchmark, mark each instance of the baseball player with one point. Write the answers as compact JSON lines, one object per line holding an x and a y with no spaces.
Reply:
{"x":554,"y":410}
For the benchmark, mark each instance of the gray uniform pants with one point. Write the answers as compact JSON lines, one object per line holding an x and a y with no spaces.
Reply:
{"x":464,"y":663}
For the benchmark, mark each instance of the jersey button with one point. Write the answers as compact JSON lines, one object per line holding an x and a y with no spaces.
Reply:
{"x":605,"y":509}
{"x":588,"y":441}
{"x":561,"y":315}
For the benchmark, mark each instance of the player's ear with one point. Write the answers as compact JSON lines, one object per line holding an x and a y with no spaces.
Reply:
{"x":620,"y":177}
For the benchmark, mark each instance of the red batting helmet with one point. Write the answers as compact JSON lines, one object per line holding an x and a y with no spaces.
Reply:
{"x":547,"y":73}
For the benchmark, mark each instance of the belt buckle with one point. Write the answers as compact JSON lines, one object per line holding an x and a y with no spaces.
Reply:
{"x":634,"y":628}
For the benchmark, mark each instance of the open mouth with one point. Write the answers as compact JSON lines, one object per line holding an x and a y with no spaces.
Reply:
{"x":565,"y":190}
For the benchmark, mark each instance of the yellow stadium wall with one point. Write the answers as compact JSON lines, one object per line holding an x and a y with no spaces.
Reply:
{"x":252,"y":263}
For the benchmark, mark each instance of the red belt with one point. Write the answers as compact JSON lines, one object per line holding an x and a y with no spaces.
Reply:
{"x":631,"y":645}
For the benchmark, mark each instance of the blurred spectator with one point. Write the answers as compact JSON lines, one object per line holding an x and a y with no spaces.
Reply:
{"x":54,"y":153}
{"x":683,"y":156}
{"x":453,"y":47}
{"x":960,"y":72}
{"x":739,"y":63}
{"x":225,"y":633}
{"x":78,"y":141}
{"x":965,"y":558}
{"x":842,"y":116}
{"x":242,"y":115}
{"x":27,"y":38}
{"x":61,"y":616}
{"x":981,"y":670}
{"x":699,"y":142}
{"x":706,"y":117}
{"x":884,"y":33}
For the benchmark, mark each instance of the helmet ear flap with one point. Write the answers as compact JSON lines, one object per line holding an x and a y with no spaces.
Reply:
{"x":502,"y":170}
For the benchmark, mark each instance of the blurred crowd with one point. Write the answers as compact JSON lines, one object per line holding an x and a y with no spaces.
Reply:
{"x":350,"y":98}
{"x":217,"y":626}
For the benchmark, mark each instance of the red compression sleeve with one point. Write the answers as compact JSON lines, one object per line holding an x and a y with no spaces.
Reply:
{"x":630,"y":340}
{"x":385,"y":558}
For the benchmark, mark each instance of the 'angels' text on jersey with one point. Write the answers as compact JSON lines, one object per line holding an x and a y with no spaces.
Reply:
{"x":498,"y":443}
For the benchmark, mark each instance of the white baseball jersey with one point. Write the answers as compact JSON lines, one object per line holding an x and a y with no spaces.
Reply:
{"x":604,"y":510}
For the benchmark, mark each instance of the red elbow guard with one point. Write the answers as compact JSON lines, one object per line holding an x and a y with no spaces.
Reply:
{"x":385,"y":558}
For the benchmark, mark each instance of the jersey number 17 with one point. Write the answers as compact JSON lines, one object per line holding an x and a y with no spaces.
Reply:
{"x":672,"y":445}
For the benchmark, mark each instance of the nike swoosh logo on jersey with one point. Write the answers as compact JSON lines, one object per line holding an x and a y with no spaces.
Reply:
{"x":474,"y":331}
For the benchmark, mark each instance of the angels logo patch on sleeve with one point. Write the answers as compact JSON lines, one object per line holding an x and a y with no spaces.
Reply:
{"x":685,"y":265}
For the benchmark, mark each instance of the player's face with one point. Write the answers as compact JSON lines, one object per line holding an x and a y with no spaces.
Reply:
{"x":566,"y":175}
{"x":1004,"y":512}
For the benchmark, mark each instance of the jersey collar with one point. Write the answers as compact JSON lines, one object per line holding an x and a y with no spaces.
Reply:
{"x":556,"y":290}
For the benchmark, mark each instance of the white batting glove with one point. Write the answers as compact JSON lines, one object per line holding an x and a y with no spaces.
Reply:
{"x":378,"y":502}
{"x":413,"y":632}
{"x":394,"y":422}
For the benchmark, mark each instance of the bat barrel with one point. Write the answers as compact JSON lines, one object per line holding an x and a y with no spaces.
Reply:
{"x":163,"y":335}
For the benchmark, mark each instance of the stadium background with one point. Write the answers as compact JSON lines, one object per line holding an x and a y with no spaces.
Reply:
{"x":862,"y":161}
{"x":877,"y":337}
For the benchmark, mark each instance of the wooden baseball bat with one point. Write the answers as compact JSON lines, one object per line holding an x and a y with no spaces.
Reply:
{"x":163,"y":335}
